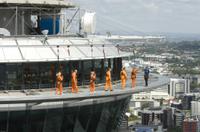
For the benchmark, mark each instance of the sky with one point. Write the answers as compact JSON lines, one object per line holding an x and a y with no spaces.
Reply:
{"x":145,"y":16}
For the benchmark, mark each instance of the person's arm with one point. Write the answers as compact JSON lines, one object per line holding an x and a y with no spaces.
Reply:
{"x":110,"y":76}
{"x":73,"y":77}
{"x":62,"y":77}
{"x":126,"y":75}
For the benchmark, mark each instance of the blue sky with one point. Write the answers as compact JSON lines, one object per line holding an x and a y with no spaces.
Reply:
{"x":135,"y":16}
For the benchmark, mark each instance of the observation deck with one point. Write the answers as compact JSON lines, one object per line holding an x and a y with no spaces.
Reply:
{"x":47,"y":98}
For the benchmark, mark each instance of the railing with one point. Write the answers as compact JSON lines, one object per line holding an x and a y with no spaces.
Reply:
{"x":49,"y":86}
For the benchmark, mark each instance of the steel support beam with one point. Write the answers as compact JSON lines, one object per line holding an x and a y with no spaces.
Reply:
{"x":16,"y":20}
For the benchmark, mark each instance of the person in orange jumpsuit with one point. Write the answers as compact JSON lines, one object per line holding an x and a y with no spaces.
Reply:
{"x":108,"y":80}
{"x":74,"y":82}
{"x":92,"y":82}
{"x":59,"y":83}
{"x":133,"y":76}
{"x":123,"y":76}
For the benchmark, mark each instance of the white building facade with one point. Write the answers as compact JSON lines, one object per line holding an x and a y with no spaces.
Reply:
{"x":195,"y":108}
{"x":179,"y":86}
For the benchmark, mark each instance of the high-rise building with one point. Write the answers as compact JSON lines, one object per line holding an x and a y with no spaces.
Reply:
{"x":191,"y":125}
{"x":151,"y":117}
{"x":195,"y":108}
{"x":186,"y":101}
{"x":168,"y":118}
{"x":179,"y":87}
{"x":146,"y":118}
{"x":178,"y":119}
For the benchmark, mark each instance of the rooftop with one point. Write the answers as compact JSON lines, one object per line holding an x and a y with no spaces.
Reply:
{"x":48,"y":49}
{"x":40,"y":3}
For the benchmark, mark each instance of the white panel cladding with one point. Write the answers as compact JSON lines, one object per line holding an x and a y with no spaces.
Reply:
{"x":29,"y":53}
{"x":34,"y":49}
{"x":12,"y":53}
{"x":9,"y":53}
{"x":36,"y":52}
{"x":67,"y":50}
{"x":85,"y":46}
{"x":109,"y":51}
{"x":195,"y":108}
{"x":8,"y":42}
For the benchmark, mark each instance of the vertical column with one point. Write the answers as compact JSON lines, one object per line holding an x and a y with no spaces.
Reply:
{"x":102,"y":70}
{"x":54,"y":22}
{"x":170,"y":88}
{"x":109,"y":63}
{"x":3,"y":76}
{"x":93,"y":64}
{"x":16,"y":20}
{"x":22,"y":22}
{"x":185,"y":85}
{"x":188,"y":87}
{"x":70,"y":72}
{"x":119,"y":64}
{"x":38,"y":75}
{"x":6,"y":78}
{"x":61,"y":25}
{"x":82,"y":73}
{"x":115,"y":71}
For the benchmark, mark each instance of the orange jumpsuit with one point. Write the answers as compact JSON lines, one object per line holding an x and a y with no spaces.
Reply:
{"x":74,"y":83}
{"x":92,"y":82}
{"x":108,"y":81}
{"x":59,"y":84}
{"x":133,"y":77}
{"x":123,"y":76}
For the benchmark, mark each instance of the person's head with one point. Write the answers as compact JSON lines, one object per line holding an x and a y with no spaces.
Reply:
{"x":58,"y":74}
{"x":75,"y":71}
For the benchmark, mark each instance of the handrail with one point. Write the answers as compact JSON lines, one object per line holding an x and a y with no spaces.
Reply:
{"x":50,"y":88}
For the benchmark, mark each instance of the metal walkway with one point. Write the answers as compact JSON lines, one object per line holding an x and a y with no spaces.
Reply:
{"x":48,"y":98}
